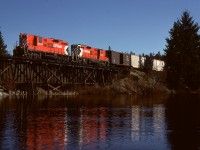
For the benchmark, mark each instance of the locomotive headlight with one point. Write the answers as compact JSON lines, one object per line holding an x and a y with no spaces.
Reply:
{"x":66,"y":50}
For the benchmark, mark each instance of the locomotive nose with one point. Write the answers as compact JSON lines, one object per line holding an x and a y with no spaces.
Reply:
{"x":66,"y":50}
{"x":80,"y":51}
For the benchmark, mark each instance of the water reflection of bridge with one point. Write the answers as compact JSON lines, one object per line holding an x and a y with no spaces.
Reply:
{"x":27,"y":74}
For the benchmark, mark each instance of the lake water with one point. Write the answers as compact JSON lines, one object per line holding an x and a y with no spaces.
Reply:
{"x":157,"y":122}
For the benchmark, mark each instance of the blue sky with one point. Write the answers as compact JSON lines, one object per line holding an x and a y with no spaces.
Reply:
{"x":140,"y":26}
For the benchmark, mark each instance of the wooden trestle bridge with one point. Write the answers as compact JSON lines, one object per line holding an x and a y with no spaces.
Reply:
{"x":27,"y":74}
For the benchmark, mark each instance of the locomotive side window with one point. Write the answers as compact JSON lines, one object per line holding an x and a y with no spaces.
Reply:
{"x":55,"y":40}
{"x":39,"y":40}
{"x":35,"y":40}
{"x":88,"y":47}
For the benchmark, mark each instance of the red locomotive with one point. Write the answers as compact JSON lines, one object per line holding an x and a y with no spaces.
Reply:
{"x":37,"y":47}
{"x":86,"y":52}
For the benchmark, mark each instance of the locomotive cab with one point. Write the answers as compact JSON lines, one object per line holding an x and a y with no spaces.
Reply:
{"x":76,"y":51}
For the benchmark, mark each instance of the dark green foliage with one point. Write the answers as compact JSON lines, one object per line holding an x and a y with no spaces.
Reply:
{"x":159,"y":56}
{"x":182,"y":54}
{"x":141,"y":62}
{"x":3,"y":51}
{"x":148,"y":63}
{"x":109,"y":48}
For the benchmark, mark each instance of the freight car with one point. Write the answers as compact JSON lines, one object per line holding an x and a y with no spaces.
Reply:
{"x":137,"y":61}
{"x":118,"y":58}
{"x":158,"y":65}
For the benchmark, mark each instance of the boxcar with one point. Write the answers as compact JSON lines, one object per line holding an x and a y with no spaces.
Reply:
{"x":137,"y":61}
{"x":125,"y":59}
{"x":158,"y":65}
{"x":114,"y":57}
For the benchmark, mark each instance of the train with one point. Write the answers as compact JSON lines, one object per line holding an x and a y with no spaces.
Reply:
{"x":37,"y":47}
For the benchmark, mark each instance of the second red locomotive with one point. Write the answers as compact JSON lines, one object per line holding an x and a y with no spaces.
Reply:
{"x":87,"y":52}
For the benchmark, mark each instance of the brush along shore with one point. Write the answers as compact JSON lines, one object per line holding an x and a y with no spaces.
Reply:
{"x":133,"y":82}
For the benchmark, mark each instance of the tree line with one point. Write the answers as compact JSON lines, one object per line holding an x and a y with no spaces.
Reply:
{"x":3,"y":46}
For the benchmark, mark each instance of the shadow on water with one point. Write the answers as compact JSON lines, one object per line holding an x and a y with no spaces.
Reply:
{"x":34,"y":103}
{"x":183,"y":121}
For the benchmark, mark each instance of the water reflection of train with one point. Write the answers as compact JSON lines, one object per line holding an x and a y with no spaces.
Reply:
{"x":93,"y":125}
{"x":144,"y":120}
{"x":47,"y":130}
{"x":38,"y":47}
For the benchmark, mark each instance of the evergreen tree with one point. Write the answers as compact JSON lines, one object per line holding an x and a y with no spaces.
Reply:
{"x":3,"y":51}
{"x":109,"y":48}
{"x":159,"y":56}
{"x":141,"y":62}
{"x":182,"y":54}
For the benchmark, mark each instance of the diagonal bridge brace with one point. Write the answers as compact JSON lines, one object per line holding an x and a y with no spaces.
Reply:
{"x":89,"y":76}
{"x":55,"y":88}
{"x":7,"y":72}
{"x":53,"y":75}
